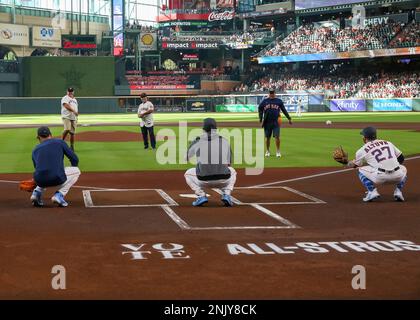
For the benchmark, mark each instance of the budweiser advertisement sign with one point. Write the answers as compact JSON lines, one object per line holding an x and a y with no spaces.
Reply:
{"x":221,"y":16}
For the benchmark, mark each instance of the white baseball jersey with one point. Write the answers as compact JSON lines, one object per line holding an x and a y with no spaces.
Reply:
{"x":147,"y":120}
{"x":378,"y":154}
{"x":72,"y":102}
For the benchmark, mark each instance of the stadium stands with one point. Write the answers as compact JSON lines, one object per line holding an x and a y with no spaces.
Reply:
{"x":311,"y":38}
{"x":409,"y":37}
{"x":138,"y":80}
{"x":342,"y":84}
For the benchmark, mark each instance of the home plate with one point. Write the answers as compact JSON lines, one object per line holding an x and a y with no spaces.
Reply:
{"x":192,"y":195}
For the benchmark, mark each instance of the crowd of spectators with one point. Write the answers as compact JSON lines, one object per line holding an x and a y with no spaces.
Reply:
{"x":409,"y":37}
{"x":138,"y":80}
{"x":137,"y":26}
{"x":342,"y":84}
{"x":314,"y":38}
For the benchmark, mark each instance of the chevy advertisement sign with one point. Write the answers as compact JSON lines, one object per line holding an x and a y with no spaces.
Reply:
{"x":392,"y":105}
{"x":198,"y":105}
{"x":14,"y":34}
{"x":46,"y":37}
{"x":347,"y":105}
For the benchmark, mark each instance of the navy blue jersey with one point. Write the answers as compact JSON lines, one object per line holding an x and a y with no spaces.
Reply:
{"x":269,"y":111}
{"x":48,"y":159}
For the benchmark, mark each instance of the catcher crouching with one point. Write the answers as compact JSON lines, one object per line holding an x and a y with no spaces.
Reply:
{"x":379,"y":162}
{"x":48,"y":159}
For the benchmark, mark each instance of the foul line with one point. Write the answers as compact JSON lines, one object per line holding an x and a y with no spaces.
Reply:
{"x":313,"y":176}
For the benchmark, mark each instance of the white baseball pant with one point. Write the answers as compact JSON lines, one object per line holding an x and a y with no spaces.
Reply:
{"x":378,"y":177}
{"x":198,"y":186}
{"x":73,"y":174}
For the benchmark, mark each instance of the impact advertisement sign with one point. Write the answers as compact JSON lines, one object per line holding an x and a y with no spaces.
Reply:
{"x":350,"y":105}
{"x":392,"y":104}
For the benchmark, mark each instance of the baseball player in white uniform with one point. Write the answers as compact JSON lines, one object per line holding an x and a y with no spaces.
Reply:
{"x":145,"y":113}
{"x":379,"y":162}
{"x":69,"y":114}
{"x":299,"y":107}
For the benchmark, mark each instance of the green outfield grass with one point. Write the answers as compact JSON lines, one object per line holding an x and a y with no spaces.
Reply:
{"x":300,"y":147}
{"x":170,"y":117}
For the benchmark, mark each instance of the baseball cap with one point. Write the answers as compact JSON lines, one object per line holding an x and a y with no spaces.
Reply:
{"x":143,"y":95}
{"x":70,"y":89}
{"x":369,"y":132}
{"x":43,"y":132}
{"x":209,"y":124}
{"x":272,"y":90}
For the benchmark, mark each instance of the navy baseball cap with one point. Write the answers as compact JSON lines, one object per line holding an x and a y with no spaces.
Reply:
{"x":369,"y":133}
{"x":143,"y":95}
{"x":70,"y":89}
{"x":272,"y":90}
{"x":209,"y":124}
{"x":44,"y":132}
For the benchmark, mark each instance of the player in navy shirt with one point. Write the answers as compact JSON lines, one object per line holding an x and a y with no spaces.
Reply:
{"x":270,"y":110}
{"x":48,"y":159}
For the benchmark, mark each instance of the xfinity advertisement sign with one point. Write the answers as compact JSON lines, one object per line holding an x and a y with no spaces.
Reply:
{"x":347,"y":105}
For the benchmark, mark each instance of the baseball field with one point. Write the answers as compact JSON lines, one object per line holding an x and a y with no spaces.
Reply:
{"x":298,"y":230}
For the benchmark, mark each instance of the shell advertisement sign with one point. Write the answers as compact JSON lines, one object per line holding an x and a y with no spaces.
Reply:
{"x":148,"y":41}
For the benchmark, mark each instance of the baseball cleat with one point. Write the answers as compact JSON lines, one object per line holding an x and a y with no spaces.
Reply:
{"x":36,"y":199}
{"x":200,"y":201}
{"x":58,"y":198}
{"x":278,"y":154}
{"x":227,"y":200}
{"x":398,"y":196}
{"x":267,"y":154}
{"x":371,"y":195}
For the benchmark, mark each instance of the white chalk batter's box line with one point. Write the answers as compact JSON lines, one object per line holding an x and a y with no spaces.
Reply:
{"x":87,"y":196}
{"x":303,"y":195}
{"x":185,"y":226}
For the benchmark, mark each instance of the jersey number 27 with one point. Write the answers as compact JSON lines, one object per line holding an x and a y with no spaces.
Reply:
{"x":378,"y":154}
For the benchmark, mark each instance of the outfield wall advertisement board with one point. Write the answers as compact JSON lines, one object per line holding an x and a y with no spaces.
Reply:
{"x":236,"y":108}
{"x":392,"y":104}
{"x":350,"y":105}
{"x":174,"y":109}
{"x":198,"y":105}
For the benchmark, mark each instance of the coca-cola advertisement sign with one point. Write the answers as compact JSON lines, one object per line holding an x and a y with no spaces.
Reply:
{"x":221,"y":16}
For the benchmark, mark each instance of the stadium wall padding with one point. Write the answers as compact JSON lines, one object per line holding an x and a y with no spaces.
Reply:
{"x":52,"y":105}
{"x":50,"y":76}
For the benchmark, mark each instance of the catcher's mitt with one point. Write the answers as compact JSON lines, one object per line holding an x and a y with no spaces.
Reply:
{"x":27,"y":185}
{"x":340,"y":155}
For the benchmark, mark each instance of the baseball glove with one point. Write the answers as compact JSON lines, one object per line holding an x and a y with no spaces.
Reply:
{"x":340,"y":155}
{"x":27,"y":185}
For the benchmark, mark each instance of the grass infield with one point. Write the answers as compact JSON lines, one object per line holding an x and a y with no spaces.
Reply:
{"x":300,"y":147}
